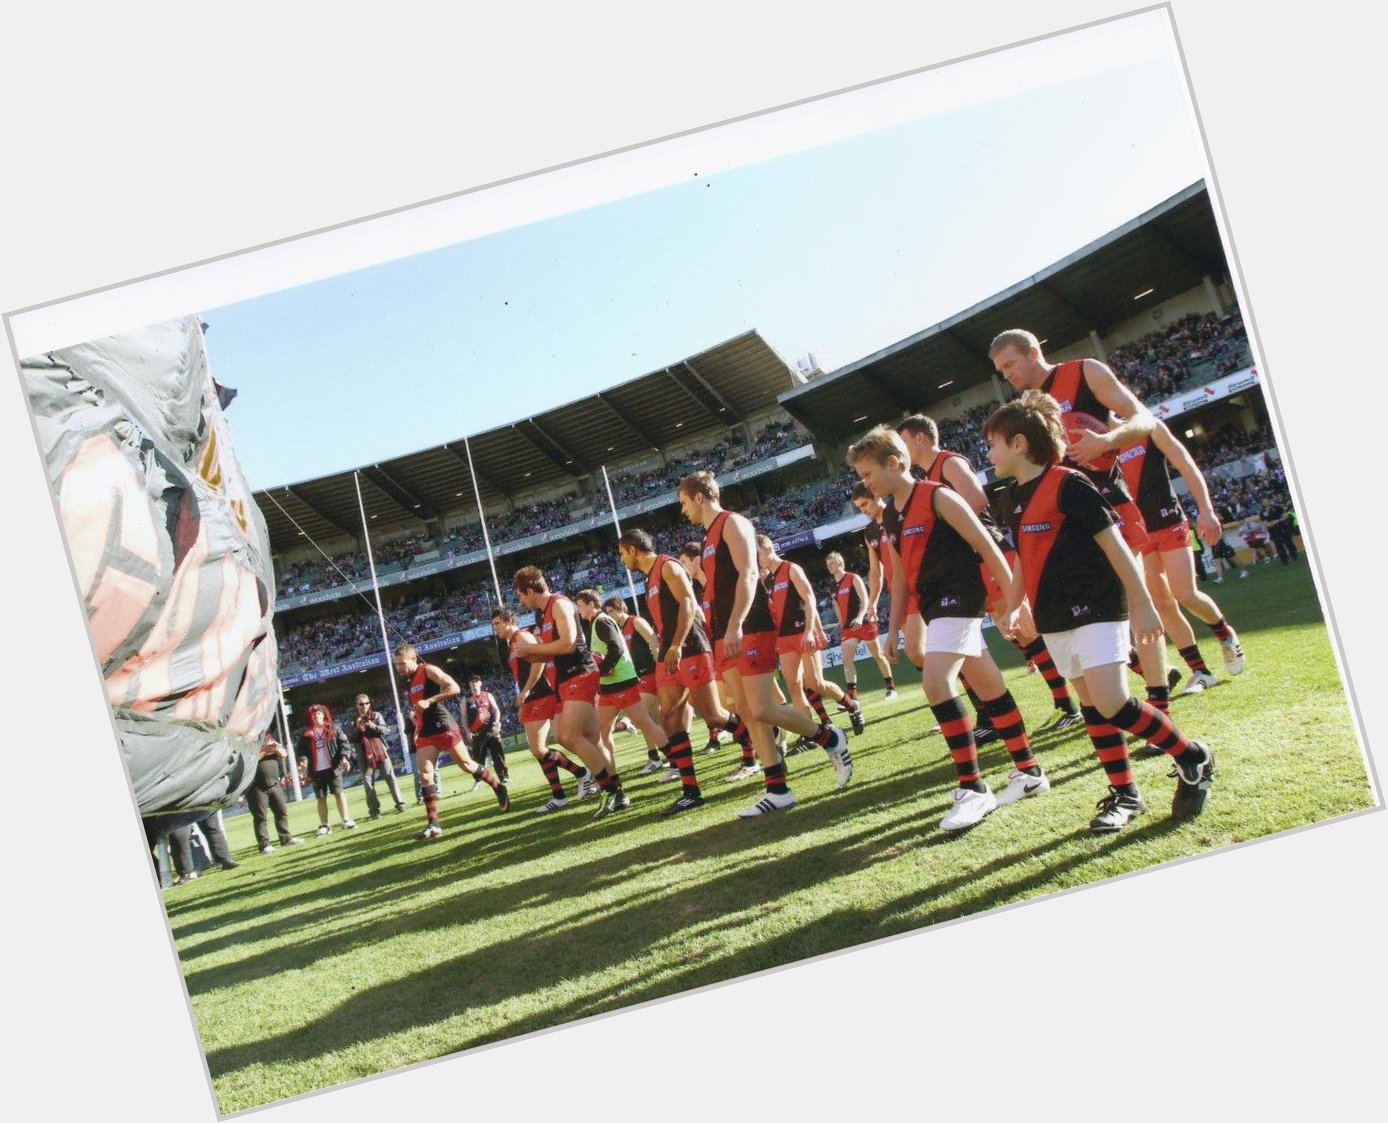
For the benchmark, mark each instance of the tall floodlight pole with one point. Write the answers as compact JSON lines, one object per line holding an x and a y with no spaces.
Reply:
{"x":482,"y":517}
{"x":381,"y":619}
{"x":612,"y":505}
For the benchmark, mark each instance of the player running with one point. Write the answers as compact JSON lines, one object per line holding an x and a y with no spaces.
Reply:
{"x":436,"y":732}
{"x":1168,"y":566}
{"x":575,"y":681}
{"x":744,"y":641}
{"x":538,"y":703}
{"x":800,"y":636}
{"x":1080,"y":579}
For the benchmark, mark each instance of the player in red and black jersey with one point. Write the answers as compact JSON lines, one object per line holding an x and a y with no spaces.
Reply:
{"x":1168,"y":564}
{"x":538,"y":703}
{"x":880,"y":576}
{"x":1080,"y":578}
{"x":435,"y":732}
{"x":560,"y":633}
{"x":856,"y":625}
{"x":953,"y":470}
{"x":1088,"y":386}
{"x":685,"y":668}
{"x":935,"y":542}
{"x":800,"y":636}
{"x":744,"y":640}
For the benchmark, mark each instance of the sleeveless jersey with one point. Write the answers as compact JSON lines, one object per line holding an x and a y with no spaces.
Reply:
{"x":1145,"y":472}
{"x":872,"y":537}
{"x":787,"y":605}
{"x":579,"y":661}
{"x":437,"y":719}
{"x":665,"y":612}
{"x":847,"y":603}
{"x":720,"y":585}
{"x":936,"y":474}
{"x":624,"y":670}
{"x":940,"y":565}
{"x":1069,"y":580}
{"x":520,"y":670}
{"x":638,"y":648}
{"x":1066,"y":385}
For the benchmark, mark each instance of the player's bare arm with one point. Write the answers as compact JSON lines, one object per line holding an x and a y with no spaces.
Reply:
{"x":965,"y":484}
{"x":955,"y":511}
{"x":1145,"y":623}
{"x":1135,"y":421}
{"x":1210,"y":529}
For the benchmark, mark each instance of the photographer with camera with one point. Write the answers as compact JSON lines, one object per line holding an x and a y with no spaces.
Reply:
{"x":369,"y":732}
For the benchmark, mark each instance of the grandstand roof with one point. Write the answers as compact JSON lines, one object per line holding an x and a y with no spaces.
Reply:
{"x":1169,"y":250}
{"x":717,"y":388}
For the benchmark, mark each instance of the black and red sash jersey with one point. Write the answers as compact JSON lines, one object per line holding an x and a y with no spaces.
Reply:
{"x":665,"y":613}
{"x":1144,"y":468}
{"x":936,"y":474}
{"x":1066,"y":385}
{"x":638,"y":648}
{"x":847,"y":603}
{"x":438,"y":718}
{"x":482,"y":714}
{"x":577,"y":662}
{"x":787,"y":605}
{"x":872,"y":537}
{"x":520,"y":670}
{"x":1069,"y":580}
{"x":720,"y":585}
{"x":940,"y":565}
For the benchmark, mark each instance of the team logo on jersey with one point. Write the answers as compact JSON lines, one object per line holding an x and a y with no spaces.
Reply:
{"x":1132,"y":453}
{"x":1035,"y":528}
{"x":1080,"y":610}
{"x":908,"y":531}
{"x":949,"y":602}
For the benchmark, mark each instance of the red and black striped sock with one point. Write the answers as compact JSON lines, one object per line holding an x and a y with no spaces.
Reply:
{"x":1159,"y":698}
{"x":652,"y":754}
{"x":775,"y":778}
{"x":605,"y":780}
{"x":816,"y":701}
{"x":682,"y":757}
{"x":486,"y":776}
{"x":1156,"y":729}
{"x":738,"y":730}
{"x":562,"y":761}
{"x":551,"y":771}
{"x":1111,"y":747}
{"x":891,"y":683}
{"x":1194,"y":660}
{"x":1134,"y":663}
{"x":430,"y":794}
{"x":1037,"y":652}
{"x":850,"y":692}
{"x":958,"y":730}
{"x":1221,"y":630}
{"x":1007,"y":720}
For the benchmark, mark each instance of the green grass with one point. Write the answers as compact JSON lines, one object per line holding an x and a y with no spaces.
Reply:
{"x":363,"y":952}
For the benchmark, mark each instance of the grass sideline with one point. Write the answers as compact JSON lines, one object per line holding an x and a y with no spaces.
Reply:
{"x":364,"y":951}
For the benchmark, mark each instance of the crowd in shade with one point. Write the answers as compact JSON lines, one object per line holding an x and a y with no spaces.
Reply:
{"x":1236,"y":499}
{"x":628,"y":486}
{"x":1194,"y":348}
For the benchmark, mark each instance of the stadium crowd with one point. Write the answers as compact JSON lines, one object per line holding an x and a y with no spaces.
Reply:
{"x":1195,"y":347}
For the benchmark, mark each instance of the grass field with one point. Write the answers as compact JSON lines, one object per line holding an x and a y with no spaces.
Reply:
{"x":364,"y":951}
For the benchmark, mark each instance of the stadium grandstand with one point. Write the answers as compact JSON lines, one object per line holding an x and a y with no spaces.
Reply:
{"x":1152,"y":298}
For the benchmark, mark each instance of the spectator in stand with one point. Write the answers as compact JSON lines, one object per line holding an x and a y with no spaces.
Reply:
{"x":266,"y":794}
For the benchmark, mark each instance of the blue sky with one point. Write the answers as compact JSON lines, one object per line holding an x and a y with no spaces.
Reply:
{"x":840,"y":250}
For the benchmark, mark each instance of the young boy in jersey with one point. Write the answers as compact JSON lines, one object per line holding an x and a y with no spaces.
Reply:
{"x":800,"y":636}
{"x":560,"y":633}
{"x":538,"y":703}
{"x":935,"y":542}
{"x":1080,"y":579}
{"x":942,"y":466}
{"x":1167,"y":562}
{"x":618,"y":693}
{"x":435,"y":733}
{"x":744,"y":641}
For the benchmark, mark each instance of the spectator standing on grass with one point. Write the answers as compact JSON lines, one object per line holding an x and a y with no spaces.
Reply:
{"x":324,"y":751}
{"x":181,"y":847}
{"x":1278,"y":519}
{"x":266,"y":793}
{"x":369,"y":733}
